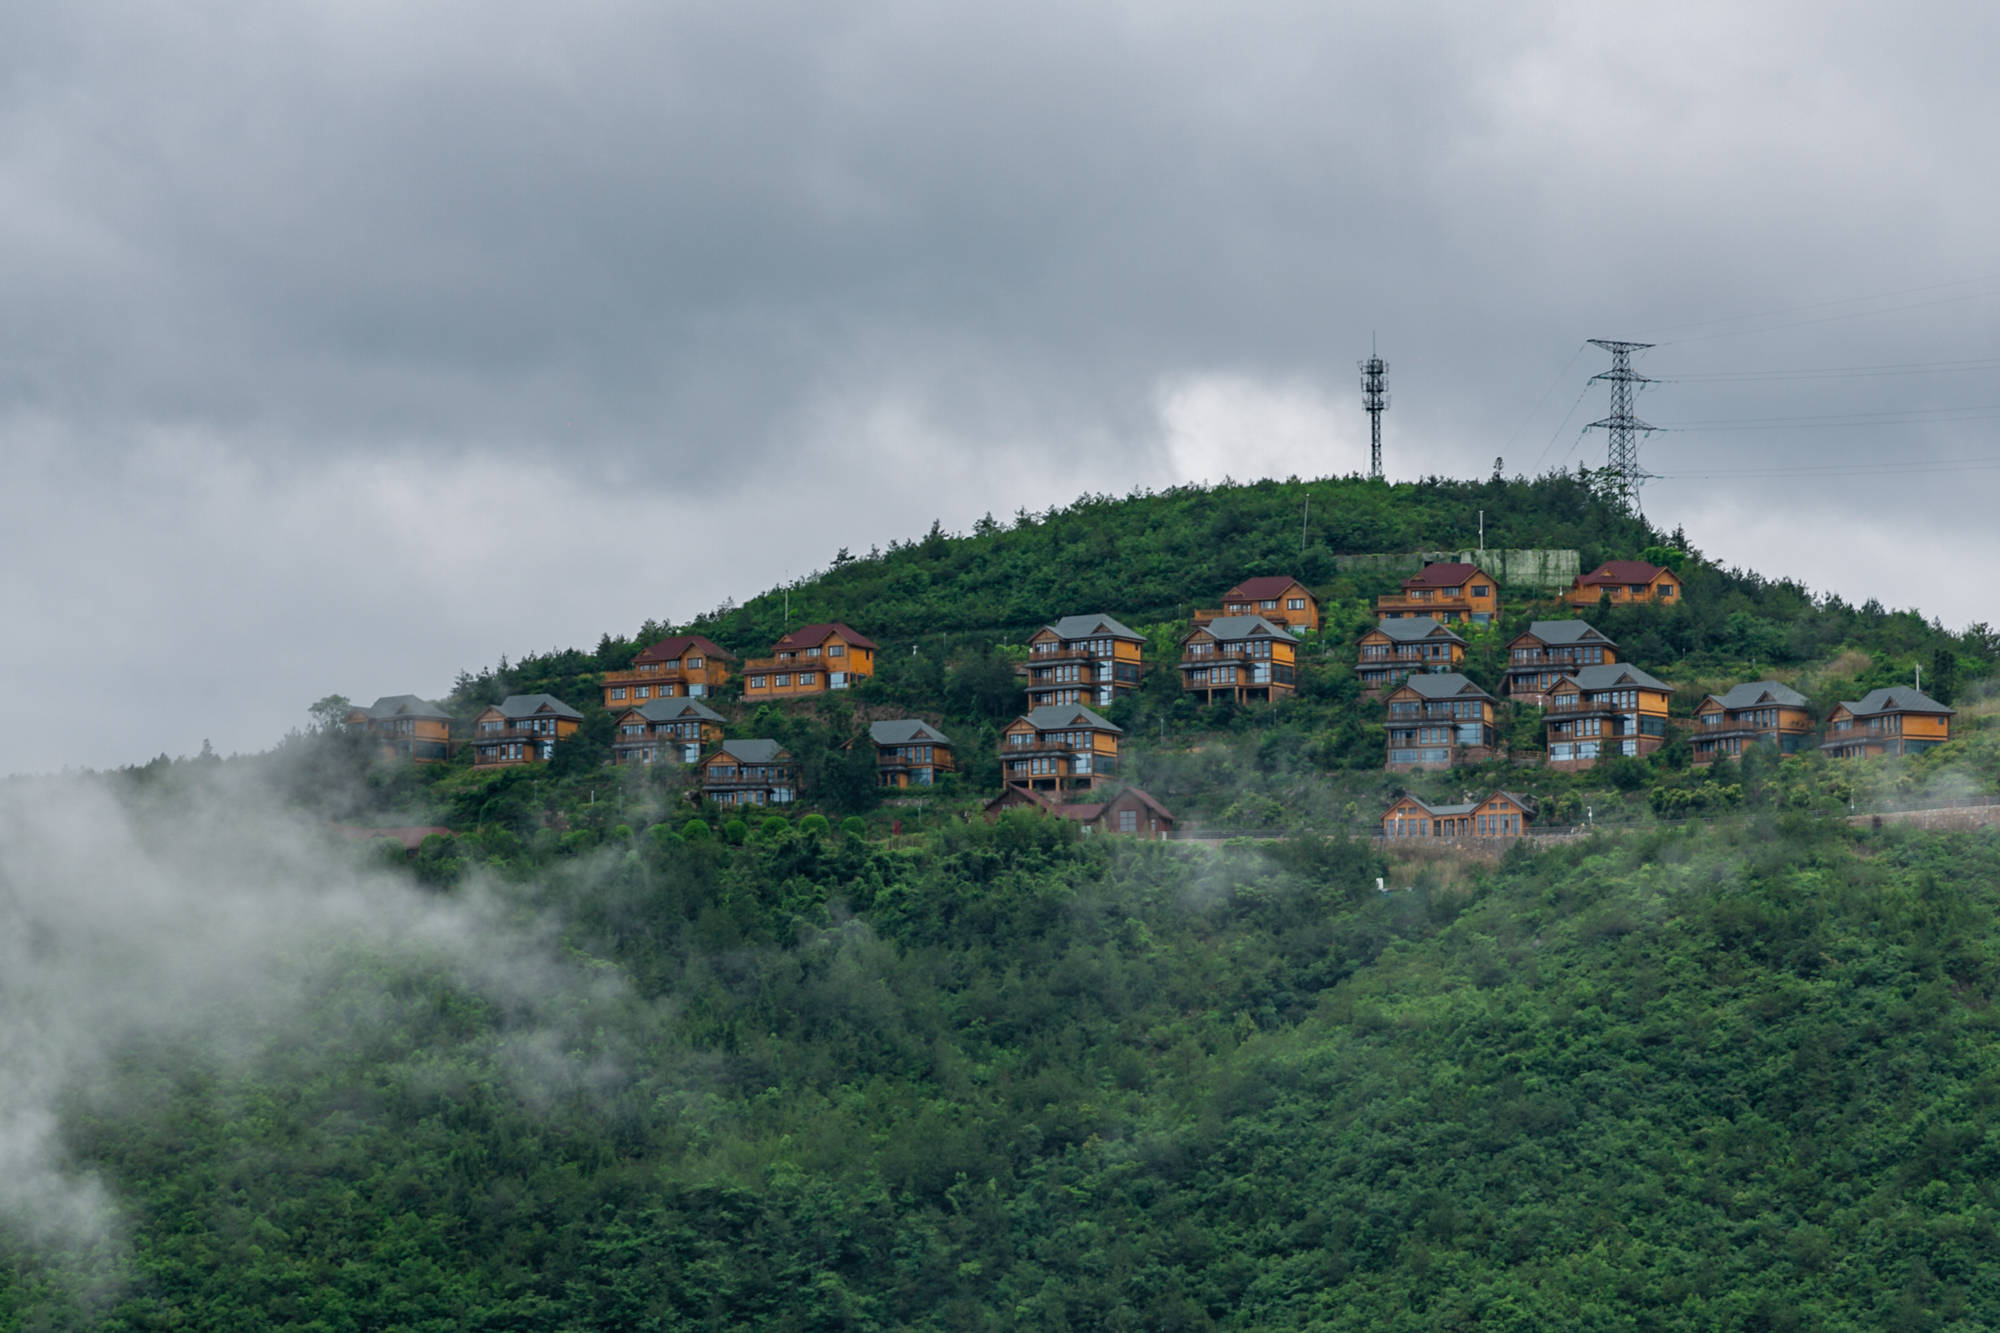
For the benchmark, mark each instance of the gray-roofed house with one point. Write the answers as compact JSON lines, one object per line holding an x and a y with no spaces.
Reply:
{"x":1501,"y":815}
{"x":665,"y":731}
{"x":909,"y":752}
{"x":1244,"y":658}
{"x":751,"y":772}
{"x":522,"y":729}
{"x":1437,"y":720}
{"x":1897,"y":720}
{"x":1398,"y":649}
{"x":1083,"y":660}
{"x":1743,"y":715}
{"x":1549,"y":650}
{"x":1600,"y":712}
{"x":1059,"y":747}
{"x":407,"y":727}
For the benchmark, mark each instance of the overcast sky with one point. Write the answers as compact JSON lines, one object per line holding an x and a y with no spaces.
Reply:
{"x":343,"y":346}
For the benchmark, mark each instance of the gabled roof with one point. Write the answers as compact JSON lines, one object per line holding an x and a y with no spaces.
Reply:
{"x":1610,"y":675}
{"x":1092,"y":627}
{"x":1445,"y":574}
{"x":760,"y":751}
{"x":1443,"y":685}
{"x":1056,"y":717}
{"x":1621,"y":571}
{"x":1414,"y":629}
{"x":1461,"y":808}
{"x":1562,"y":634}
{"x":1143,"y":797}
{"x":677,"y":710}
{"x":904,"y":730}
{"x":1235,"y":628}
{"x":811,"y":636}
{"x":1895,"y":699}
{"x":672,"y":650}
{"x":404,"y":705}
{"x":1261,"y":588}
{"x":517,"y":706}
{"x":1527,"y":803}
{"x":1759,"y":692}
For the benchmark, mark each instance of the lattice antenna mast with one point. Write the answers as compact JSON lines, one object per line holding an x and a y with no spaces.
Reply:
{"x":1374,"y":397}
{"x":1624,"y":429}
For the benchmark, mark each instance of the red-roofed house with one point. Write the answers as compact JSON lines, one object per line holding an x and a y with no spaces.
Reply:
{"x":810,"y":660}
{"x":685,"y":666}
{"x":1130,"y":811}
{"x":1446,"y":592}
{"x":1623,"y":582}
{"x":1276,"y":597}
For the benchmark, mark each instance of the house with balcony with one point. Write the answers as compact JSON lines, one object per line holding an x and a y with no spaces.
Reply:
{"x":1446,"y":591}
{"x":909,"y":752}
{"x":1132,"y":811}
{"x":1727,"y":724}
{"x":1439,"y":721}
{"x":665,"y":731}
{"x":1599,"y":712}
{"x":1244,"y":658}
{"x":1279,"y":598}
{"x":522,"y":729}
{"x":813,"y":660}
{"x":687,"y":666}
{"x":1397,"y":649}
{"x":753,"y":772}
{"x":1550,"y":650}
{"x":1059,"y":747}
{"x":1625,"y":583}
{"x":406,"y":727}
{"x":1898,"y":720}
{"x":1501,"y":815}
{"x":1082,"y":660}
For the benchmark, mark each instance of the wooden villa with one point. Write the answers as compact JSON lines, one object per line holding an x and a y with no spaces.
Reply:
{"x":1625,"y":583}
{"x":811,"y":660}
{"x":1501,"y":815}
{"x":1244,"y":658}
{"x":1059,"y":747}
{"x":1395,"y":650}
{"x":1278,"y":597}
{"x":1599,"y":712}
{"x":752,"y":772}
{"x":1082,"y":660}
{"x":1729,"y":723}
{"x":687,"y":666}
{"x":522,"y":729}
{"x":1898,"y":720}
{"x":1438,"y":721}
{"x":909,"y":752}
{"x":1548,"y":651}
{"x":1130,"y":811}
{"x":665,"y":731}
{"x":406,"y":727}
{"x":1447,"y":591}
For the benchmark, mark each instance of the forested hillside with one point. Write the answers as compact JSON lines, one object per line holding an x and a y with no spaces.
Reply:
{"x":605,"y":1060}
{"x":1738,"y":1079}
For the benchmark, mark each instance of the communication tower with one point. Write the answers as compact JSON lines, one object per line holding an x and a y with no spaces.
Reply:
{"x":1374,"y":397}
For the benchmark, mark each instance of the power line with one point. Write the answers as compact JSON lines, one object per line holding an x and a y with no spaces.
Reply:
{"x":1827,"y":305}
{"x":1920,"y":466}
{"x":1554,"y":434}
{"x":1833,"y":372}
{"x":1825,"y":319}
{"x":1504,"y":448}
{"x":1894,"y":416}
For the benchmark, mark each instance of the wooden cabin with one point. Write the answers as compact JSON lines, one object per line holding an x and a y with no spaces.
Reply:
{"x":1059,"y":747}
{"x":665,"y":731}
{"x":808,"y":661}
{"x":1438,"y":721}
{"x":406,"y":727}
{"x":1446,"y":591}
{"x":687,"y":666}
{"x":1899,"y":720}
{"x":1550,"y":650}
{"x":753,"y":772}
{"x":1597,"y":712}
{"x":1279,"y":598}
{"x":1132,"y":811}
{"x":1395,"y":650}
{"x":522,"y":729}
{"x":909,"y":753}
{"x":1082,"y":660}
{"x":1763,"y":710}
{"x":1625,"y":583}
{"x":1501,"y":815}
{"x":1245,"y":658}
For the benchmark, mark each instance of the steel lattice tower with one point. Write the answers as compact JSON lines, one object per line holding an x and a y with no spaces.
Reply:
{"x":1622,"y":459}
{"x":1374,"y":397}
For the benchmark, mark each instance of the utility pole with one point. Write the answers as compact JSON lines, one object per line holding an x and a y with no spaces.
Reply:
{"x":1374,"y":398}
{"x":1622,"y":458}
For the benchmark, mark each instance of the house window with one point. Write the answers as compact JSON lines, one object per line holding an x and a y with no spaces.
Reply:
{"x":1481,"y":590}
{"x":1128,"y":821}
{"x":642,"y":692}
{"x":836,"y":650}
{"x":694,"y":664}
{"x":756,"y":682}
{"x":1296,"y":604}
{"x":780,"y":682}
{"x":812,"y":652}
{"x":618,"y":693}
